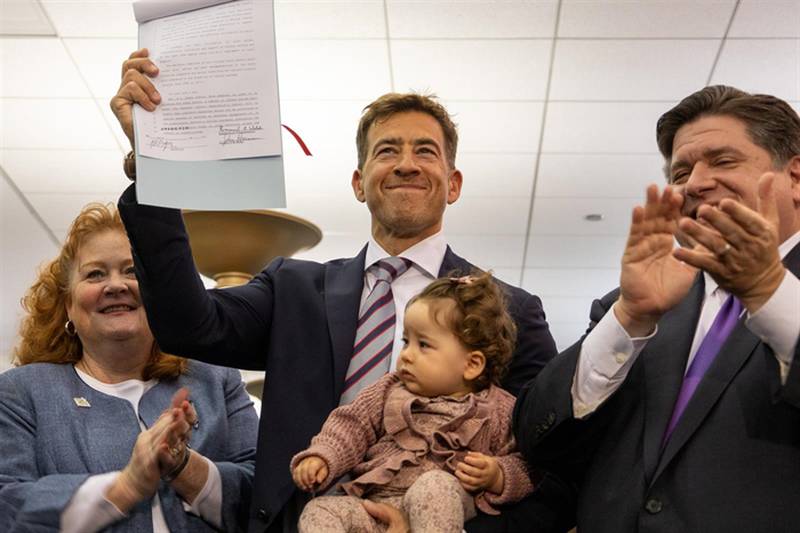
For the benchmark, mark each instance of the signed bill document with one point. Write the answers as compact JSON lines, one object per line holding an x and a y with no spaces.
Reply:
{"x":217,"y":80}
{"x":214,"y":142}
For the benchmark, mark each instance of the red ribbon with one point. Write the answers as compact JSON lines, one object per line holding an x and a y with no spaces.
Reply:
{"x":298,"y":139}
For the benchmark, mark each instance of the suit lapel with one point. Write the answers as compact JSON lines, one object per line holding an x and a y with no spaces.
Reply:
{"x":344,"y":283}
{"x":739,"y":346}
{"x":454,"y":264}
{"x":732,"y":355}
{"x":792,"y":260}
{"x":664,"y":359}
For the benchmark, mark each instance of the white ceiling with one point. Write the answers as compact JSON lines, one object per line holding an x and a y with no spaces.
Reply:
{"x":556,"y":103}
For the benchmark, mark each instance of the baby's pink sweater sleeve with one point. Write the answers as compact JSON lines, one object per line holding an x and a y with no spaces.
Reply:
{"x":349,"y":431}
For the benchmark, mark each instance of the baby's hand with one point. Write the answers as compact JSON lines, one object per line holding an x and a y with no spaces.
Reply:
{"x":310,"y":473}
{"x":480,"y":472}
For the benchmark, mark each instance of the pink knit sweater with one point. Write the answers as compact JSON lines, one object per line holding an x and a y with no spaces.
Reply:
{"x":387,"y":437}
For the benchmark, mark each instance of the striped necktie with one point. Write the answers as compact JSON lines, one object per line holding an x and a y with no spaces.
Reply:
{"x":375,"y":333}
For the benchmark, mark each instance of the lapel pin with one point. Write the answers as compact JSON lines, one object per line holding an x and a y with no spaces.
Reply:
{"x":80,"y":401}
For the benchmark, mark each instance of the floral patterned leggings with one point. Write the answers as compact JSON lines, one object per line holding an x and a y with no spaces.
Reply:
{"x":435,"y":503}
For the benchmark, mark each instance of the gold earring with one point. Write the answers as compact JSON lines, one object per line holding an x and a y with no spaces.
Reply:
{"x":69,"y":327}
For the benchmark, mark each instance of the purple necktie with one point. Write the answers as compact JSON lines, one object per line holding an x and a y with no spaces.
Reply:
{"x":726,"y":320}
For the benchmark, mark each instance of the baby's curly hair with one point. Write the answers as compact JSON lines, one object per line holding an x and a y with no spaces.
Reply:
{"x":479,"y":319}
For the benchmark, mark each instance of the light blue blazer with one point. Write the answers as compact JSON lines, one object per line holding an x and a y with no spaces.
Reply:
{"x":49,"y":445}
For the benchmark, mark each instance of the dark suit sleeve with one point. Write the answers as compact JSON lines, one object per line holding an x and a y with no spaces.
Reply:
{"x":547,"y":434}
{"x":225,"y":327}
{"x":535,"y":346}
{"x":551,"y":507}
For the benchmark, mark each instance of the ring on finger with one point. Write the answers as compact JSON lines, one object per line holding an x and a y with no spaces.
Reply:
{"x":175,"y":451}
{"x":725,"y":250}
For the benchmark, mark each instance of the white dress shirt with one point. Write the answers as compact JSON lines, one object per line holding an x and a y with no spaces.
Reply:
{"x":427,"y":256}
{"x":88,"y":510}
{"x":608,"y":352}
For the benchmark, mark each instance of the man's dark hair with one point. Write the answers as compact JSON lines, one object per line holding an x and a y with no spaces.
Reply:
{"x":393,"y":103}
{"x":770,"y":122}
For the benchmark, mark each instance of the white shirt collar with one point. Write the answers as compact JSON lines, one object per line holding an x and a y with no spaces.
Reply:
{"x":427,"y":254}
{"x":784,"y":248}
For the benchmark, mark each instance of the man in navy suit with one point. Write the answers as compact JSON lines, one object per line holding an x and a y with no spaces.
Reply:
{"x":297,"y":319}
{"x":680,"y":409}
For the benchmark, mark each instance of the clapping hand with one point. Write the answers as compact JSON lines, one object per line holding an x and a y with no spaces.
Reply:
{"x":652,"y":280}
{"x":157,"y":451}
{"x":738,"y":246}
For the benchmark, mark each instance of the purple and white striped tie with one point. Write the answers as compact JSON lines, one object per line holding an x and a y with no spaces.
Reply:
{"x":375,"y":333}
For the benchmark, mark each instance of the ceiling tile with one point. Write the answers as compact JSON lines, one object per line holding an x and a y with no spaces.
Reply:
{"x":24,"y":17}
{"x":572,"y":282}
{"x":320,"y":174}
{"x":509,"y":216}
{"x":589,"y":127}
{"x":59,"y":210}
{"x":508,"y":275}
{"x":560,"y":251}
{"x":327,"y":127}
{"x":332,"y":70}
{"x":329,"y":131}
{"x":487,"y":251}
{"x":436,"y":19}
{"x":778,"y":76}
{"x":565,"y":216}
{"x":53,"y":123}
{"x":354,"y":19}
{"x":113,"y":126}
{"x":766,"y":18}
{"x":473,"y":70}
{"x":503,"y":127}
{"x":336,"y":213}
{"x":487,"y":175}
{"x":566,"y":333}
{"x":598,"y":175}
{"x":625,"y":70}
{"x":644,"y":18}
{"x":100,"y":62}
{"x":65,"y":171}
{"x":568,"y":309}
{"x":24,"y":245}
{"x":75,"y":18}
{"x":39,"y":67}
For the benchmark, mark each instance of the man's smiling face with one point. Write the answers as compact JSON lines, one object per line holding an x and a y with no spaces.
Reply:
{"x":406,"y":180}
{"x":714,"y":158}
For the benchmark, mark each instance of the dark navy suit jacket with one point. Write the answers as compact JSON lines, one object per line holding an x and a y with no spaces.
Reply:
{"x":296,"y":320}
{"x":732,"y":462}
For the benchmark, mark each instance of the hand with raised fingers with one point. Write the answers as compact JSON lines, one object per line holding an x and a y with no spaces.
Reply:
{"x":652,"y":280}
{"x":480,"y":472}
{"x":135,"y":88}
{"x":177,"y":436}
{"x":310,"y":473}
{"x":738,"y":246}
